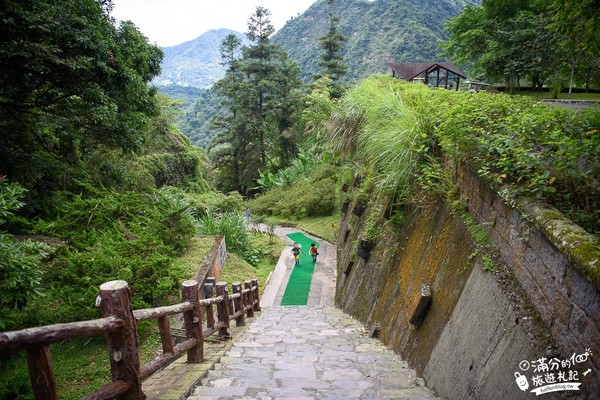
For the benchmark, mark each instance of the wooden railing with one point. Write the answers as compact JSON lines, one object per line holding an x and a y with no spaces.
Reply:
{"x":119,"y":324}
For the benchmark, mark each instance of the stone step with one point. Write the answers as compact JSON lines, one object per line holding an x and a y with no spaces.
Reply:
{"x":309,"y":353}
{"x":237,"y":392}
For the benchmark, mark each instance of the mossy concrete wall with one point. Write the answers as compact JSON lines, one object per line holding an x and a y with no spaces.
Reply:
{"x":479,"y":324}
{"x":554,"y":261}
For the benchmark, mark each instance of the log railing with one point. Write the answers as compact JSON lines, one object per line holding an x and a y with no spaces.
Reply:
{"x":119,"y":324}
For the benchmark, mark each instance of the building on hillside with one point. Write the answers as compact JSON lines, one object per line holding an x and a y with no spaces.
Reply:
{"x":434,"y":74}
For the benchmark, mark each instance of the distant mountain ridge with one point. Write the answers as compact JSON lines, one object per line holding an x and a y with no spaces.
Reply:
{"x":377,"y":32}
{"x":196,"y":63}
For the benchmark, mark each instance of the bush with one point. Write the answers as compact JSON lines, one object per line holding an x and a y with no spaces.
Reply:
{"x":20,"y":272}
{"x":232,"y":226}
{"x":128,"y":236}
{"x":312,"y":197}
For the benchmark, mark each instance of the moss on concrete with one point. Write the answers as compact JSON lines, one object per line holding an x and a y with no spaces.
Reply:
{"x":580,"y":247}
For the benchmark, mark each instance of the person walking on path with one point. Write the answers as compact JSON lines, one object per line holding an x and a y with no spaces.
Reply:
{"x":296,"y":250}
{"x":314,"y":252}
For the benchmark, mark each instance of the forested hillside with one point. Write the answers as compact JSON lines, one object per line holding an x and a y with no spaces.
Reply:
{"x":185,"y":94}
{"x":195,"y":122}
{"x":377,"y":32}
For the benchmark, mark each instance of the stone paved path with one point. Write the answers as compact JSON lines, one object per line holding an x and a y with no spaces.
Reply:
{"x":309,"y":353}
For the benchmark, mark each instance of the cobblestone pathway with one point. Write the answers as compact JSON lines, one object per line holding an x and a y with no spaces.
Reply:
{"x":304,"y":353}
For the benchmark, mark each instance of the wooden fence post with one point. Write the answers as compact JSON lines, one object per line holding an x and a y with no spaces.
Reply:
{"x":231,"y":309}
{"x":122,"y":343}
{"x":209,"y":290}
{"x":165,"y":334}
{"x":193,"y":321}
{"x":239,"y":304}
{"x":249,"y":299}
{"x":41,"y":373}
{"x":223,"y":309}
{"x":211,"y":280}
{"x":256,"y":295}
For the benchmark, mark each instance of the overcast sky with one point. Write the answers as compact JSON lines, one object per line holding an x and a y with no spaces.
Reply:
{"x":172,"y":22}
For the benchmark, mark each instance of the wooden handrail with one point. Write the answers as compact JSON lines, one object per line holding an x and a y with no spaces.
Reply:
{"x":119,"y":324}
{"x":154,"y":313}
{"x":114,"y":389}
{"x":44,"y":335}
{"x":166,"y":358}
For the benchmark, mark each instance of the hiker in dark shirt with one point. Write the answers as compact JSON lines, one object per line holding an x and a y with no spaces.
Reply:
{"x":296,"y":250}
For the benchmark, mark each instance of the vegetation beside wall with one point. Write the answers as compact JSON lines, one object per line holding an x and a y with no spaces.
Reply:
{"x":397,"y":133}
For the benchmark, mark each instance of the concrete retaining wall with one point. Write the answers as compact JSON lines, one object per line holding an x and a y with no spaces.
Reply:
{"x":212,"y":265}
{"x":479,"y":325}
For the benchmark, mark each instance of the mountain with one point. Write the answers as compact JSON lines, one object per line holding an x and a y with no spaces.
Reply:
{"x":196,"y":63}
{"x":377,"y":32}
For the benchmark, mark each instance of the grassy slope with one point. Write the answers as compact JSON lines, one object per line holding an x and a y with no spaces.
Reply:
{"x":237,"y":269}
{"x":324,"y":227}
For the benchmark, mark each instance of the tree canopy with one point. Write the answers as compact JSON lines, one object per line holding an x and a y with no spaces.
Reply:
{"x":540,"y":42}
{"x":71,"y":81}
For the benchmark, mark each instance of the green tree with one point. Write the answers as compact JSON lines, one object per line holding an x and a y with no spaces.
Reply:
{"x":578,"y":24}
{"x":20,"y":272}
{"x":332,"y":62}
{"x":70,"y":82}
{"x":506,"y":41}
{"x":230,"y":144}
{"x":260,"y":91}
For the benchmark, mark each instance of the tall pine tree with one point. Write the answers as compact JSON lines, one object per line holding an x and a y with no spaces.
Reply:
{"x":332,"y":62}
{"x":259,"y":93}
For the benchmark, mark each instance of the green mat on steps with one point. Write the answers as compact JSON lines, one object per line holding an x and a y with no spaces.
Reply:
{"x":296,"y":291}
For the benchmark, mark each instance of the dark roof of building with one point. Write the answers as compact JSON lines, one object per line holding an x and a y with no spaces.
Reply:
{"x":409,"y":71}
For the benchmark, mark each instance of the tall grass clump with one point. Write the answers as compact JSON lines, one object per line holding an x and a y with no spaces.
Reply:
{"x":387,"y":137}
{"x":229,"y":224}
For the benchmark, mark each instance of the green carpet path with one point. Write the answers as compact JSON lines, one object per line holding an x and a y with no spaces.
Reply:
{"x":296,"y":291}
